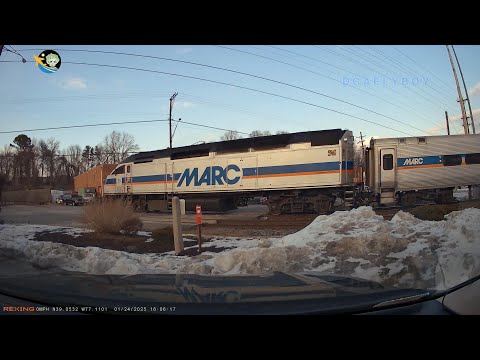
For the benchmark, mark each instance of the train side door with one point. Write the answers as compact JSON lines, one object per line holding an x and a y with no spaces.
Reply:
{"x":128,"y":178}
{"x":119,"y":176}
{"x":387,"y":168}
{"x":170,"y":184}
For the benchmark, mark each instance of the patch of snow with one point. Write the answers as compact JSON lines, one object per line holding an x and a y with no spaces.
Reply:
{"x":144,"y":233}
{"x":461,"y":194}
{"x":403,"y":252}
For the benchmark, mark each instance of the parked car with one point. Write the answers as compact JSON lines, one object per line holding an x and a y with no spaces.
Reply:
{"x":61,"y":199}
{"x":74,"y":200}
{"x":88,"y":197}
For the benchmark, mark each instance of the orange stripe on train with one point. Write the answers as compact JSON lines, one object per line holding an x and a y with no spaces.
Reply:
{"x":419,"y":166}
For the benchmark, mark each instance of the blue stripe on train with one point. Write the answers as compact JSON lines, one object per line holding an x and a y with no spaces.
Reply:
{"x":419,"y":160}
{"x":149,"y":178}
{"x":264,"y":170}
{"x":297,"y":168}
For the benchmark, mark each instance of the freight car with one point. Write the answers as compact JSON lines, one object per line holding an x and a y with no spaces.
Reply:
{"x":299,"y":172}
{"x":409,"y":170}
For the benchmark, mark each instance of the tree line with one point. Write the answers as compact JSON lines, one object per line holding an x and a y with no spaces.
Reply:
{"x":233,"y":135}
{"x":30,"y":162}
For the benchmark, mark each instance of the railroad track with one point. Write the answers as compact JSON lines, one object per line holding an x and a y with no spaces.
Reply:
{"x":299,"y":221}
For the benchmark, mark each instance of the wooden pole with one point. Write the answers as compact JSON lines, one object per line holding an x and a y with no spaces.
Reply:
{"x":177,"y":225}
{"x":448,"y":126}
{"x":460,"y":96}
{"x":466,"y":92}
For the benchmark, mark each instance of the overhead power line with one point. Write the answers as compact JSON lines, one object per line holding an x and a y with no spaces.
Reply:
{"x":244,"y":74}
{"x":117,"y":123}
{"x":235,"y":86}
{"x":80,"y":126}
{"x":351,"y":86}
{"x":432,"y":100}
{"x":371,"y":69}
{"x":421,"y":66}
{"x":404,"y":67}
{"x":442,"y":96}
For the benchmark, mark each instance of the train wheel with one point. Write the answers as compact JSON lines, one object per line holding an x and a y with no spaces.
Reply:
{"x":275,"y":208}
{"x":321,"y":206}
{"x":445,"y":197}
{"x":408,"y":199}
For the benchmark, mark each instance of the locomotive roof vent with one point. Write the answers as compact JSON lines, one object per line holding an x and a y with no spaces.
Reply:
{"x":402,"y":141}
{"x":422,"y":140}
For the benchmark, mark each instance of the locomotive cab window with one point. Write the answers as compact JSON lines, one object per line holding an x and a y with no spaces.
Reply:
{"x":472,"y":159}
{"x":128,"y":168}
{"x":452,"y":160}
{"x":387,"y":162}
{"x":119,"y":170}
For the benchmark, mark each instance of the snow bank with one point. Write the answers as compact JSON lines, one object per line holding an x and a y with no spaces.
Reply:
{"x":461,"y":194}
{"x":403,"y":252}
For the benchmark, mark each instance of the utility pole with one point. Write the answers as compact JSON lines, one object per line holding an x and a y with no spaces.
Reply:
{"x":466,"y":92}
{"x":448,"y":126}
{"x":363,"y":157}
{"x":460,"y":96}
{"x":172,"y":100}
{"x":1,"y":49}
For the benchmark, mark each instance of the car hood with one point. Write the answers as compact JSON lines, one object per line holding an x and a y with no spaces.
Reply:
{"x":276,"y":293}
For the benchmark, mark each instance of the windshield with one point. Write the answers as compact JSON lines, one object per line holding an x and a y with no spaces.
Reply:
{"x":343,"y":169}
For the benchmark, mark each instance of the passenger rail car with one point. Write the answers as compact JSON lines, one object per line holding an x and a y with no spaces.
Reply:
{"x":410,"y":169}
{"x":299,"y":172}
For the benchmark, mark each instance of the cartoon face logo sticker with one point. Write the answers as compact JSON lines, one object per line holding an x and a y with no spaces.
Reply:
{"x":48,"y":61}
{"x":52,"y":60}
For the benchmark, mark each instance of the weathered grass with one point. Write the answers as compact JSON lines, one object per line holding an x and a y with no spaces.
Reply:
{"x":111,"y":217}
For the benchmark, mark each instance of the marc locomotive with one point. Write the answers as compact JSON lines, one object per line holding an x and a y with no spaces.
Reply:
{"x":299,"y":172}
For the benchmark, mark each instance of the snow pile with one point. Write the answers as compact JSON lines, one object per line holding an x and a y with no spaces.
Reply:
{"x":461,"y":194}
{"x":404,"y":252}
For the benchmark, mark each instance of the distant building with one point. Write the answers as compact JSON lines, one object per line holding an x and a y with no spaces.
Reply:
{"x":93,"y":178}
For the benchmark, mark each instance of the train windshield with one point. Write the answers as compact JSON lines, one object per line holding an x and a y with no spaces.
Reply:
{"x":345,"y":187}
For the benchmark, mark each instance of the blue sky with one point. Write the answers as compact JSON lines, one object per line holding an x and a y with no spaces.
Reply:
{"x":415,"y":89}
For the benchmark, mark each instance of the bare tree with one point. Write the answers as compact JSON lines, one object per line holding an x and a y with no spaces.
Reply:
{"x":6,"y":161}
{"x":99,"y":156}
{"x":51,"y":154}
{"x":24,"y":159}
{"x":88,"y":157}
{"x":257,"y":133}
{"x":74,"y":158}
{"x":358,"y":155}
{"x":35,"y":162}
{"x":118,"y":146}
{"x":230,"y":135}
{"x":280,"y":132}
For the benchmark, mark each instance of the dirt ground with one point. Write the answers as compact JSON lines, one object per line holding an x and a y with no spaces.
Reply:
{"x":245,"y":225}
{"x":133,"y":244}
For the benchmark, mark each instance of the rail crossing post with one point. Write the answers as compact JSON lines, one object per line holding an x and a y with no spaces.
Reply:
{"x":177,"y":225}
